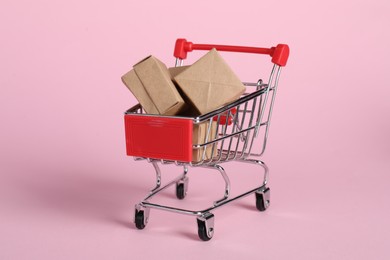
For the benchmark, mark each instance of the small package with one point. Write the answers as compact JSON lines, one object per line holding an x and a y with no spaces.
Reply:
{"x":209,"y":83}
{"x":151,"y":84}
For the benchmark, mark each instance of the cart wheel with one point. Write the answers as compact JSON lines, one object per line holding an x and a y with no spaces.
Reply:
{"x":139,"y":219}
{"x":141,"y":216}
{"x":263,"y":199}
{"x":180,"y":193}
{"x":206,"y":226}
{"x":181,"y":188}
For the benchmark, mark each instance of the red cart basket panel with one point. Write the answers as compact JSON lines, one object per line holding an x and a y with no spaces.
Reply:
{"x":159,"y":137}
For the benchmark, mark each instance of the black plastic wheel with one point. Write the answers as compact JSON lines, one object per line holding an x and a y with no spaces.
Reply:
{"x":139,"y":219}
{"x":202,"y":231}
{"x":261,"y":203}
{"x":180,"y":191}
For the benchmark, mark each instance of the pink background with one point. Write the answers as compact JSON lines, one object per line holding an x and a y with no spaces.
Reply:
{"x":67,"y":190}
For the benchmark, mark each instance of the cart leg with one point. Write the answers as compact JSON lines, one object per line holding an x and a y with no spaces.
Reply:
{"x":263,"y":195}
{"x":182,"y":185}
{"x":262,"y":164}
{"x":158,"y":176}
{"x":181,"y":179}
{"x":225,"y":178}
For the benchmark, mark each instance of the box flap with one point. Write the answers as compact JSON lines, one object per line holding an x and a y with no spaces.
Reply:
{"x":174,"y":71}
{"x":144,"y":59}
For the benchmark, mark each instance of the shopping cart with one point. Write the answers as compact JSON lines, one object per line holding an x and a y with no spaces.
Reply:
{"x":235,"y":132}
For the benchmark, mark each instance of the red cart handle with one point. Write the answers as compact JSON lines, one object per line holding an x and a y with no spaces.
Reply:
{"x":279,"y":53}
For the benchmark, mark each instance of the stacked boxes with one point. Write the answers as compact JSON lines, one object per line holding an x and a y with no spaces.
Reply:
{"x":193,"y":90}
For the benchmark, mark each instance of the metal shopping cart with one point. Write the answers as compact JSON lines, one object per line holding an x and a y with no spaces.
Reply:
{"x":235,"y":132}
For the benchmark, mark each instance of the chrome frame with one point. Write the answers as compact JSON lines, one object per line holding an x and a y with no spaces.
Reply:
{"x":218,"y":203}
{"x":231,"y":142}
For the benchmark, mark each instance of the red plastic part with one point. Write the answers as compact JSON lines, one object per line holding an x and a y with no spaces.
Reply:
{"x":181,"y":48}
{"x":279,"y":53}
{"x":224,"y":117}
{"x":158,"y":137}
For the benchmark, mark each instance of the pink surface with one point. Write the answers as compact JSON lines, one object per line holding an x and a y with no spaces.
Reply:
{"x":67,"y":189}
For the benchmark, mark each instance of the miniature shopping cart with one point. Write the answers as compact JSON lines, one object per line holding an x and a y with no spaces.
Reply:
{"x":235,"y":132}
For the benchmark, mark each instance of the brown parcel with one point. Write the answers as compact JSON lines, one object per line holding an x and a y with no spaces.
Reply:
{"x":189,"y":110}
{"x":151,"y":84}
{"x":199,"y":132}
{"x":199,"y":137}
{"x":209,"y":83}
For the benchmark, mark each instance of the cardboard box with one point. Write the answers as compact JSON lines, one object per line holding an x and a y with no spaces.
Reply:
{"x":151,"y":84}
{"x":199,"y":131}
{"x":209,"y":83}
{"x":189,"y":110}
{"x":199,"y":137}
